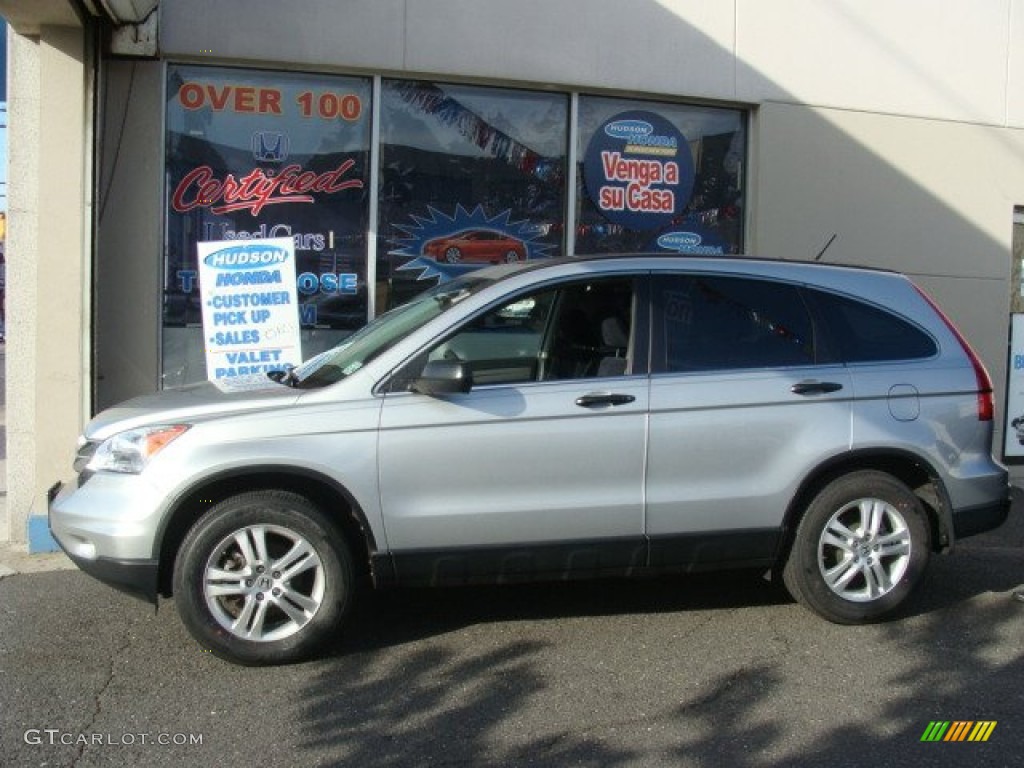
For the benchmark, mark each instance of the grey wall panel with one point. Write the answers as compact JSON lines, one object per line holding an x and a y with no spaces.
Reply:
{"x":637,"y":45}
{"x":317,"y":34}
{"x":129,"y":203}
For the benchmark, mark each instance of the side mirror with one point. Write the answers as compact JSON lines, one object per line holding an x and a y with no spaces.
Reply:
{"x":443,"y":377}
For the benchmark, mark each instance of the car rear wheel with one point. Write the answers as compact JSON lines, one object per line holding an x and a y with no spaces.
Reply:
{"x":263,"y":578}
{"x":860,"y":549}
{"x":511,"y":257}
{"x":453,"y":255}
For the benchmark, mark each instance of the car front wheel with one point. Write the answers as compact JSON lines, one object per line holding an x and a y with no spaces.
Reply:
{"x":263,"y":578}
{"x":860,"y":549}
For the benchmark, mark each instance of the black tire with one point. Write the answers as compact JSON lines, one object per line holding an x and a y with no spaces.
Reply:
{"x":453,"y":255}
{"x":264,"y":615}
{"x":860,"y":549}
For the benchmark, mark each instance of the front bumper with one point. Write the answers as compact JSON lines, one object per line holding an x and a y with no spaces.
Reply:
{"x":107,"y":528}
{"x":135,"y":577}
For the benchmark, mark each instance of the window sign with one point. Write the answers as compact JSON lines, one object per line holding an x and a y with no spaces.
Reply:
{"x":255,"y":155}
{"x":639,"y":171}
{"x":250,"y":312}
{"x":469,"y":176}
{"x":659,"y":177}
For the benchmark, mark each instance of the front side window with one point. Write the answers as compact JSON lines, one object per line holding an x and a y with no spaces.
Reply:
{"x":707,"y":323}
{"x":579,"y":331}
{"x":383,"y":333}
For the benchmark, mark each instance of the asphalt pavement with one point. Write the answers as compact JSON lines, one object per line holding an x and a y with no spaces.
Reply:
{"x":700,"y":671}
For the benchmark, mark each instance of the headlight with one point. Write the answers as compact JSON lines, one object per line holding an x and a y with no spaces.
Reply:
{"x":130,"y":451}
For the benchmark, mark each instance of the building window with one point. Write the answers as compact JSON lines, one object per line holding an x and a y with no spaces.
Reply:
{"x":255,"y":154}
{"x":655,"y":176}
{"x":468,"y":176}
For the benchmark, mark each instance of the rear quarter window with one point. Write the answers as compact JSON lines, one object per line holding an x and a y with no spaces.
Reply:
{"x":858,"y":332}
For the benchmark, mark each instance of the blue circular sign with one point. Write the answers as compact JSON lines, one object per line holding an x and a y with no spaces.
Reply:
{"x":639,"y":171}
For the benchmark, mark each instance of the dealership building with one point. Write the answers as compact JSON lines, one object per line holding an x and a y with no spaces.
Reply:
{"x":391,"y":144}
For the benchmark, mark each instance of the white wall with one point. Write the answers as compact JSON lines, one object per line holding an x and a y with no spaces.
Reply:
{"x":945,"y":59}
{"x":47,"y":266}
{"x":21,"y":310}
{"x":960,"y":60}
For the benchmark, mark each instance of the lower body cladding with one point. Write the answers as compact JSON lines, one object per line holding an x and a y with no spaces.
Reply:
{"x":623,"y":558}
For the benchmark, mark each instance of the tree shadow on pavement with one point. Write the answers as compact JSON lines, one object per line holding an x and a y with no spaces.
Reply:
{"x":400,"y":691}
{"x":436,"y":706}
{"x":397,"y":616}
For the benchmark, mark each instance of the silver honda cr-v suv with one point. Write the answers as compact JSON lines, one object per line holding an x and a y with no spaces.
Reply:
{"x":584,"y":417}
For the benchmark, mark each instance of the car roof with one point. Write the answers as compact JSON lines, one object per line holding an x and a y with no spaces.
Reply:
{"x":658,"y":260}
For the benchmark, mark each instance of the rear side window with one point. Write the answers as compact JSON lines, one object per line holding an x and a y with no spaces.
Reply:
{"x":709,"y":323}
{"x":861,"y":333}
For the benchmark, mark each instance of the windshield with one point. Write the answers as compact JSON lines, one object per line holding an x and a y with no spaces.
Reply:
{"x":382,"y":334}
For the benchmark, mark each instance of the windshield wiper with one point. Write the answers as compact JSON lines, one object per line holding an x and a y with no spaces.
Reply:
{"x":286,"y":377}
{"x":448,"y":300}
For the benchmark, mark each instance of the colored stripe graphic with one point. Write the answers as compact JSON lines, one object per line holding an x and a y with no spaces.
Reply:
{"x":935,"y":731}
{"x":982,"y":730}
{"x":958,"y":730}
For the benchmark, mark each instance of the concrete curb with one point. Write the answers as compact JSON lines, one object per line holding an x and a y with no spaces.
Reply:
{"x":15,"y":560}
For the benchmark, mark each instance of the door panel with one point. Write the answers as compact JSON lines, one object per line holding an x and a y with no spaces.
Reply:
{"x":728,"y":449}
{"x":513,"y":464}
{"x":740,"y":409}
{"x":541,"y":464}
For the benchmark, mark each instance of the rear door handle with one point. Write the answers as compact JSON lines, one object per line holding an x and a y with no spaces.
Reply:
{"x":597,"y":400}
{"x":815,"y":387}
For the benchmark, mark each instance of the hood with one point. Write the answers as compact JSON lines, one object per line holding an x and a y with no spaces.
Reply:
{"x":189,"y":404}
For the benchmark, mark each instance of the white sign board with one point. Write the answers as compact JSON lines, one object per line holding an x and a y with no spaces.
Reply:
{"x":250,"y":306}
{"x":1013,"y":443}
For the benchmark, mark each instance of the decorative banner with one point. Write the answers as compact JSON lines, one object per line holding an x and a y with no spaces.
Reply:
{"x":639,"y":171}
{"x":449,"y":111}
{"x":250,"y":306}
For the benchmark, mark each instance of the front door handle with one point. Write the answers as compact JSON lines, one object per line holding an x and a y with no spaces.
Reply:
{"x":815,"y":387}
{"x":597,"y":400}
